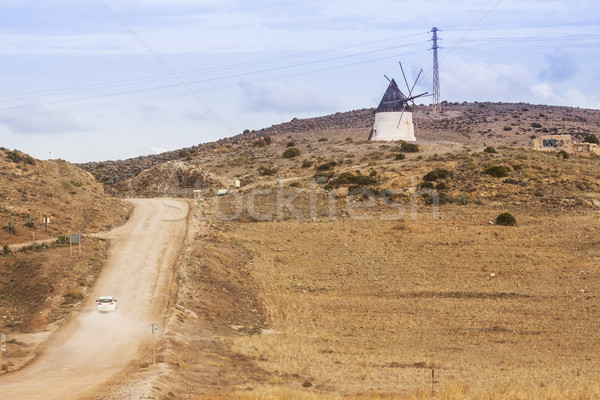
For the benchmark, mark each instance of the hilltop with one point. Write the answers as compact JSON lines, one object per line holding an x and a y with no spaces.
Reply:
{"x":496,"y":124}
{"x":72,"y":197}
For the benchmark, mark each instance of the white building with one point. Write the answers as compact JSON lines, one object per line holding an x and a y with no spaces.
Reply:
{"x":393,"y":118}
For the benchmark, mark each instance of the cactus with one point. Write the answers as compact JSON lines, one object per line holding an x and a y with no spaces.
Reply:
{"x":30,"y":221}
{"x":10,"y":227}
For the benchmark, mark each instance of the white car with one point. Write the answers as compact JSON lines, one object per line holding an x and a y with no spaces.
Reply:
{"x":106,"y":303}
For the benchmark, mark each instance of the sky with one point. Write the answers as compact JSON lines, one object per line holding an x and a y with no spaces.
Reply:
{"x":93,"y":80}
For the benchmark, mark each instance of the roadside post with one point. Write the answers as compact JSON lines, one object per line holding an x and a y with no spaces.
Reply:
{"x":2,"y":347}
{"x":154,"y":331}
{"x":74,"y":238}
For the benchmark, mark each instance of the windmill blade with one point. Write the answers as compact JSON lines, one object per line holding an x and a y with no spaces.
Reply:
{"x":416,"y":80}
{"x":416,"y":97}
{"x":401,"y":114}
{"x":405,"y":81}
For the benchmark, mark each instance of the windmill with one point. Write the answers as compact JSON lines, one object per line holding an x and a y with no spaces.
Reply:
{"x":393,"y":117}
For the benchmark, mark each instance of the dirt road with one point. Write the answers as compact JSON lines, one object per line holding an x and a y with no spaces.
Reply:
{"x":94,"y":348}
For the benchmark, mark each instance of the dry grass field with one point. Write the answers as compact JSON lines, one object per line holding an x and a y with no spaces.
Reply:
{"x":369,"y":308}
{"x":373,"y":307}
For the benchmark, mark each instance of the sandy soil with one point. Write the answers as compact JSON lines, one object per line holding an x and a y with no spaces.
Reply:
{"x":93,"y":349}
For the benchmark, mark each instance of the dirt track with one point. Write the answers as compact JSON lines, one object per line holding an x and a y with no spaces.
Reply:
{"x":93,"y":348}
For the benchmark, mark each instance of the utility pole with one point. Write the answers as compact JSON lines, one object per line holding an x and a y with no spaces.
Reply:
{"x":436,"y":71}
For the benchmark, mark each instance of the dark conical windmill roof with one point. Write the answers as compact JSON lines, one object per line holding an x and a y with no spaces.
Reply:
{"x":393,"y":100}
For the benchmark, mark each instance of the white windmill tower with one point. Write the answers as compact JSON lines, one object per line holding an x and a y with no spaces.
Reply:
{"x":393,"y":117}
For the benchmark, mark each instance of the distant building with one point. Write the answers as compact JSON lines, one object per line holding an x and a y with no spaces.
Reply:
{"x":564,"y":142}
{"x":393,"y":117}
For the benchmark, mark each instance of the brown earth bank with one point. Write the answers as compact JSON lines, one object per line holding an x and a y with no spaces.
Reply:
{"x":30,"y":189}
{"x":39,"y":288}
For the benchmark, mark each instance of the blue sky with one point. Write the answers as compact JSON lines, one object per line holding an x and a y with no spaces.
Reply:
{"x":106,"y":79}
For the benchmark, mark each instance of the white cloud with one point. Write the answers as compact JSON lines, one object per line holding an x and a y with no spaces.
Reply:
{"x":287,"y":98}
{"x":543,"y":90}
{"x":157,"y":150}
{"x":484,"y":82}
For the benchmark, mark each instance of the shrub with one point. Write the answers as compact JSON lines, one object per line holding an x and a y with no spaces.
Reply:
{"x":76,"y":184}
{"x":268,"y":140}
{"x":307,"y":164}
{"x":490,"y":150}
{"x":497,"y":171}
{"x":291,"y":153}
{"x":266,"y":171}
{"x":327,"y":166}
{"x":409,"y":147}
{"x":508,"y":128}
{"x":506,"y":219}
{"x":30,"y":221}
{"x":563,"y":154}
{"x":5,"y":249}
{"x":16,"y":156}
{"x":348,"y":178}
{"x":10,"y":227}
{"x":536,"y":125}
{"x":438,"y":173}
{"x":427,"y":185}
{"x":441,"y":186}
{"x":291,"y":143}
{"x":323,"y":139}
{"x":400,"y":156}
{"x":259,"y":143}
{"x":591,"y":139}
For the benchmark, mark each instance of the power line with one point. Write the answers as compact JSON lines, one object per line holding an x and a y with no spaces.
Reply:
{"x":168,"y":67}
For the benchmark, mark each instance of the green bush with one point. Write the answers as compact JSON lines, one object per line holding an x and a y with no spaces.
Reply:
{"x":441,"y":186}
{"x":268,"y":140}
{"x":16,"y":156}
{"x":563,"y":154}
{"x":497,"y":171}
{"x":291,"y":143}
{"x":307,"y":164}
{"x":409,"y":147}
{"x":506,"y":219}
{"x":427,"y":185}
{"x":490,"y":150}
{"x":259,"y":143}
{"x":400,"y":156}
{"x":438,"y":173}
{"x":591,"y":139}
{"x":5,"y":249}
{"x":327,"y":166}
{"x":291,"y":153}
{"x":348,"y":178}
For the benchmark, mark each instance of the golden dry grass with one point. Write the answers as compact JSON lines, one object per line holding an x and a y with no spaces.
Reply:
{"x":363,"y":307}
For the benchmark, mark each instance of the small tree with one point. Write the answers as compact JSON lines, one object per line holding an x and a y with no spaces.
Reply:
{"x":591,"y":139}
{"x":497,"y":171}
{"x":291,"y":153}
{"x":409,"y":147}
{"x":506,"y":219}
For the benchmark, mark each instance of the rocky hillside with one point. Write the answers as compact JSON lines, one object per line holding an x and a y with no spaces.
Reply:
{"x":30,"y":189}
{"x":496,"y":124}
